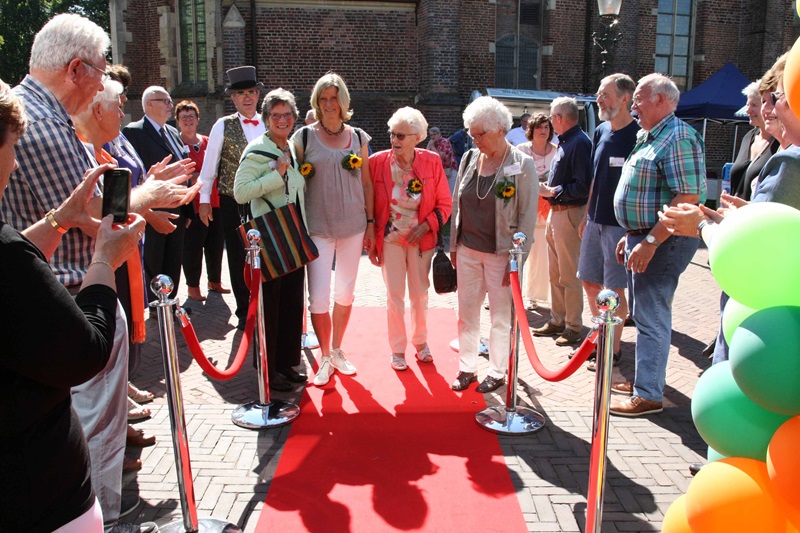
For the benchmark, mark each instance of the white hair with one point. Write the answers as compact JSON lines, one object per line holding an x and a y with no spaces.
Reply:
{"x":752,"y":89}
{"x":413,"y":118}
{"x":150,"y":91}
{"x":565,"y":107}
{"x":489,"y":114}
{"x":662,"y":85}
{"x":66,"y":37}
{"x":108,"y":98}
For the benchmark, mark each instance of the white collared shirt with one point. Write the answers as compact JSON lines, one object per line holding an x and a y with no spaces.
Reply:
{"x":214,"y":149}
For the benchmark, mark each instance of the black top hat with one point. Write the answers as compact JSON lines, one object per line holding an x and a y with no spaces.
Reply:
{"x":241,"y":78}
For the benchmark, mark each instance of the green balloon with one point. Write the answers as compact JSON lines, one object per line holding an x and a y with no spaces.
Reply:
{"x":713,"y":455}
{"x":733,"y":315}
{"x":755,"y":255}
{"x":765,"y":358}
{"x":728,"y":420}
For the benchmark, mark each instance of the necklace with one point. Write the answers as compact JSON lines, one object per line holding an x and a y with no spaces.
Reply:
{"x":329,"y":132}
{"x":494,"y":180}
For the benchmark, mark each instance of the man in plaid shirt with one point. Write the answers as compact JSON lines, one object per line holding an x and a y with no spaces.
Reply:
{"x":667,"y":166}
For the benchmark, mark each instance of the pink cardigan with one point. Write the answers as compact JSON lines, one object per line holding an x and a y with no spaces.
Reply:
{"x":427,"y":167}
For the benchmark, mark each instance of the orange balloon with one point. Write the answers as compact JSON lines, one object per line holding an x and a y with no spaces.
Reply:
{"x":733,"y":495}
{"x":791,"y":78}
{"x":675,"y":520}
{"x":783,"y":466}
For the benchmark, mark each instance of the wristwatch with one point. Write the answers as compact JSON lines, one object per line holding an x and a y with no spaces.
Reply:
{"x":651,"y":240}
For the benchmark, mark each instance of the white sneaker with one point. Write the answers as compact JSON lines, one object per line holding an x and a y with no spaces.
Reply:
{"x":340,"y":363}
{"x":324,"y":373}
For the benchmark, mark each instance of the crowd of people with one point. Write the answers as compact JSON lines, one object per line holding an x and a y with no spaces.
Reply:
{"x":621,"y":210}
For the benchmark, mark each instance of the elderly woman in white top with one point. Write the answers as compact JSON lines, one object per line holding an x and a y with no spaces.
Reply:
{"x":275,"y":178}
{"x":496,"y":196}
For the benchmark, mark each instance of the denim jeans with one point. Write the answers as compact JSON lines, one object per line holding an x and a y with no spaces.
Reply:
{"x":650,"y":295}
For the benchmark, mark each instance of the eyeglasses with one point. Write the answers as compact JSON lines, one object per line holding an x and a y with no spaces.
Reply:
{"x":248,"y":92}
{"x":187,"y":117}
{"x":477,"y":136}
{"x":167,"y":101}
{"x":103,"y":74}
{"x":775,"y":96}
{"x":281,"y":116}
{"x":399,"y":136}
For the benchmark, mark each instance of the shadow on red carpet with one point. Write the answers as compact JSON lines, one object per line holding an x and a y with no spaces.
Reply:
{"x":391,"y":451}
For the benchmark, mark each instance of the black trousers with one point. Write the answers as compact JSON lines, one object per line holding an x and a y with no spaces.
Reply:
{"x":163,"y":254}
{"x":283,"y":319}
{"x":201,"y":240}
{"x":231,"y":220}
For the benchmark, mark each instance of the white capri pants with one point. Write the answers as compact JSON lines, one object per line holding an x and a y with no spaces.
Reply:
{"x":348,"y":253}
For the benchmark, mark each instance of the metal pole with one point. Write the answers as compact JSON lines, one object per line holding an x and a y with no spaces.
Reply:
{"x":607,"y":303}
{"x":509,"y":419}
{"x":264,"y":413}
{"x":162,"y":286}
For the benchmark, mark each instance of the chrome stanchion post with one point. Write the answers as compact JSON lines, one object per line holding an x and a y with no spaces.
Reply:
{"x":265,"y":413}
{"x":607,"y":303}
{"x":509,"y":419}
{"x":162,"y":286}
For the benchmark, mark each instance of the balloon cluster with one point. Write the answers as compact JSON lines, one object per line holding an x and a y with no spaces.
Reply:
{"x":747,"y":409}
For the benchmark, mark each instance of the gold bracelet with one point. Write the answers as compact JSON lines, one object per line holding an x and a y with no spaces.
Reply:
{"x":106,"y":263}
{"x":51,"y":218}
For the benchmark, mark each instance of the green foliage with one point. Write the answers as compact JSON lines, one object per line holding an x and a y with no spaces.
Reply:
{"x":21,"y":19}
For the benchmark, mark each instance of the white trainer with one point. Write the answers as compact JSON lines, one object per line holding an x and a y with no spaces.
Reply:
{"x":324,"y":373}
{"x":341,"y":363}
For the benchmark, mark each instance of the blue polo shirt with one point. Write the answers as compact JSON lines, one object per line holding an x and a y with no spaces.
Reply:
{"x":571,"y":169}
{"x":610,"y":150}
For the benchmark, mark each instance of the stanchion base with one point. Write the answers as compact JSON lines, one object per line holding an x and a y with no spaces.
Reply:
{"x":255,"y":415}
{"x":204,"y":525}
{"x":483,"y":348}
{"x":498,"y":419}
{"x":309,"y":341}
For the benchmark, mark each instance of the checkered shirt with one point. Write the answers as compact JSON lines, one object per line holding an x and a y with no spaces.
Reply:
{"x":667,"y":160}
{"x":52,"y":161}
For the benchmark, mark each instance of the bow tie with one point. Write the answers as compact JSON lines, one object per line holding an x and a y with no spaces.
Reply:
{"x":248,"y":121}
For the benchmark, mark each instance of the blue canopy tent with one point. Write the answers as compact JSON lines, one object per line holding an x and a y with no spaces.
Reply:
{"x":717,"y":99}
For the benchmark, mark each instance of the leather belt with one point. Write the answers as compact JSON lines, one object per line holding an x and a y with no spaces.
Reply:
{"x":635,"y":232}
{"x":563,"y":207}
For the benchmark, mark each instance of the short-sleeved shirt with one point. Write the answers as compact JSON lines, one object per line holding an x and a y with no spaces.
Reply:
{"x":52,"y":162}
{"x":403,"y":207}
{"x":334,"y":196}
{"x":571,"y":169}
{"x":609,"y":151}
{"x":667,"y":160}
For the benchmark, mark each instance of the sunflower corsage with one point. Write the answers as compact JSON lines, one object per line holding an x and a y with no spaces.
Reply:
{"x":351,"y":162}
{"x":505,"y":190}
{"x":414,"y":188}
{"x":307,"y":170}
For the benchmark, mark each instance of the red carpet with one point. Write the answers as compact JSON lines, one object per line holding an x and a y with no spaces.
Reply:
{"x":386,"y":451}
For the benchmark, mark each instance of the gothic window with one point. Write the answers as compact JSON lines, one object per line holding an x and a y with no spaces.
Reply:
{"x":519,"y":25}
{"x":194,"y":67}
{"x":674,"y":41}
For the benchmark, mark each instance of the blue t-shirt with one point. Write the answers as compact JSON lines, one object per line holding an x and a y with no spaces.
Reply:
{"x":609,"y":151}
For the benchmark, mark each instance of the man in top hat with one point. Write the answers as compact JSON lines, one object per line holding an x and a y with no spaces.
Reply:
{"x":226,"y":142}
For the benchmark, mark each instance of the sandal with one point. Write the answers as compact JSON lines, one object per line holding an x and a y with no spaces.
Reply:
{"x":424,"y":355}
{"x":399,"y":362}
{"x":137,"y":412}
{"x":138,"y":395}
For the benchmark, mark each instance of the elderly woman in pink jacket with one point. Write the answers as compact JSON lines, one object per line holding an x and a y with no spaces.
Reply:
{"x":410,"y":187}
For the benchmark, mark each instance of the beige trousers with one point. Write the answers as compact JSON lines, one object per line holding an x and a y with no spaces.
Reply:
{"x":564,"y":248}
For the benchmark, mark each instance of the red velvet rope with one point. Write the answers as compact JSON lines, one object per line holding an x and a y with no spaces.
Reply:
{"x":567,"y":370}
{"x":244,"y":343}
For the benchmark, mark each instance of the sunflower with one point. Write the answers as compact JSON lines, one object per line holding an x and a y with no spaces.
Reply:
{"x":307,"y":170}
{"x":505,"y":190}
{"x":351,"y":162}
{"x":414,"y":187}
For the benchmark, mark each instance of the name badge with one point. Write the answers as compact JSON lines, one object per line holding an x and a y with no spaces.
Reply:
{"x":512,"y":170}
{"x":616,"y":161}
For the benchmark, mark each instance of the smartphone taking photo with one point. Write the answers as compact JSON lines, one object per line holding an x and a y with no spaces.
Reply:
{"x":117,"y":194}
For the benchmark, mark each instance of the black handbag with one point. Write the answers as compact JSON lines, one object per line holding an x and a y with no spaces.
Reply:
{"x":444,"y":274}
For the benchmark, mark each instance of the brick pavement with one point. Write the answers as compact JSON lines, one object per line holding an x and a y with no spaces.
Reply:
{"x":233,"y":467}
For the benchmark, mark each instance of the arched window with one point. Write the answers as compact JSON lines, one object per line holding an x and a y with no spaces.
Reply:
{"x":516,"y":67}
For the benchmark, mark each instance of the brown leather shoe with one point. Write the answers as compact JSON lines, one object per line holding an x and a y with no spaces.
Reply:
{"x":217,"y":287}
{"x":635,"y":406}
{"x":548,"y":330}
{"x":195,"y":294}
{"x":569,"y":336}
{"x":622,"y":387}
{"x":131,"y":464}
{"x":463,"y":379}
